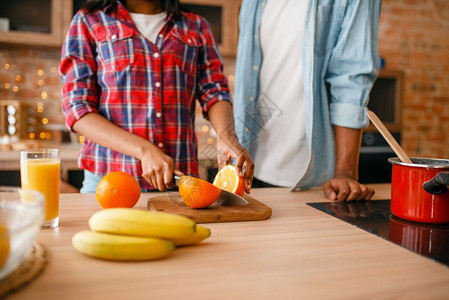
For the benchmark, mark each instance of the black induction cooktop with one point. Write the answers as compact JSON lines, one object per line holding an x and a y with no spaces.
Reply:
{"x":430,"y":240}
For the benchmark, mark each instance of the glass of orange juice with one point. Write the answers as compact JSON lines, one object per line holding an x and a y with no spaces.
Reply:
{"x":39,"y":170}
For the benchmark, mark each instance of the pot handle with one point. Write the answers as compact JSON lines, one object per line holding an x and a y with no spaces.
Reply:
{"x":438,"y":184}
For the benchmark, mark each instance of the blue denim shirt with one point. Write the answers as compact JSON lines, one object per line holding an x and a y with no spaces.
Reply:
{"x":340,"y":66}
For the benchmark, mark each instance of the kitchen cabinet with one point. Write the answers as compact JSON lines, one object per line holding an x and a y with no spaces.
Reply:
{"x":30,"y":22}
{"x":45,"y":22}
{"x":222,"y":16}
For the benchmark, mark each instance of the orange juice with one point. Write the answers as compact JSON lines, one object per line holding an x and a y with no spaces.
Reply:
{"x":4,"y":245}
{"x":42,"y":174}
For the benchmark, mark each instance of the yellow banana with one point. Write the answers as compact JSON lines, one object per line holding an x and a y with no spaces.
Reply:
{"x":137,"y":222}
{"x":120,"y":247}
{"x":201,"y":233}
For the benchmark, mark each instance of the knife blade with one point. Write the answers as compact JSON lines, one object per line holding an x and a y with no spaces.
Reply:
{"x":230,"y":199}
{"x":225,"y":198}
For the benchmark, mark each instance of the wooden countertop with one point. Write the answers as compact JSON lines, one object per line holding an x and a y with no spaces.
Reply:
{"x":298,"y":253}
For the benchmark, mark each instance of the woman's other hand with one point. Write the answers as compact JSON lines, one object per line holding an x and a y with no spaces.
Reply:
{"x":229,"y":149}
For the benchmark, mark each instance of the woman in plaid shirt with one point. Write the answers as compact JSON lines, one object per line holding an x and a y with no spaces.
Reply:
{"x":131,"y":73}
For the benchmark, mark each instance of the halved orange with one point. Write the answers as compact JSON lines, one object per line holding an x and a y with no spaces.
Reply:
{"x":197,"y":193}
{"x":228,"y":180}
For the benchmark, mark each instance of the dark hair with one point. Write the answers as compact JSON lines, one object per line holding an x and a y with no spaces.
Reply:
{"x":169,"y":6}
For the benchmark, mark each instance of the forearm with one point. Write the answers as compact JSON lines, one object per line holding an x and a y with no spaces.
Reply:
{"x":347,"y":148}
{"x":345,"y":185}
{"x":222,"y":120}
{"x":103,"y":132}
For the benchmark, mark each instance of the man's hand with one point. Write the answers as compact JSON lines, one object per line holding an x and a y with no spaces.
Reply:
{"x":344,"y":188}
{"x":344,"y":185}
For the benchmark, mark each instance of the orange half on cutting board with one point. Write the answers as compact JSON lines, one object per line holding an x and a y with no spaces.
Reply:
{"x":197,"y":193}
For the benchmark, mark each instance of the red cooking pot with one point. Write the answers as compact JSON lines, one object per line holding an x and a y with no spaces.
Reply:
{"x":419,"y":190}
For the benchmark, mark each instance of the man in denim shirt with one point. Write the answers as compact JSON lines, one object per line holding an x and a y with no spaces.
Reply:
{"x":304,"y":72}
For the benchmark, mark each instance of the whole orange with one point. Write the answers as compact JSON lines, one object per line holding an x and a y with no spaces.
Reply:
{"x":118,"y":189}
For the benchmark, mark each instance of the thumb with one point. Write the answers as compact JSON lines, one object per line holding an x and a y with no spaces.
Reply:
{"x":177,"y":172}
{"x":329,"y":191}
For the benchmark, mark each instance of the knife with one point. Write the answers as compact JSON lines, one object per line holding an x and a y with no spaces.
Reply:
{"x":225,"y":198}
{"x":230,"y":199}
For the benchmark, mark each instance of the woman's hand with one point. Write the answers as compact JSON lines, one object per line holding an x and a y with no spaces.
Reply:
{"x":345,"y":188}
{"x":158,"y":168}
{"x":228,"y":146}
{"x":231,"y":149}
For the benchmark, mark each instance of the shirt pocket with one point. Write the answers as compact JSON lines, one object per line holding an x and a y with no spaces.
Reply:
{"x":116,"y":47}
{"x":328,"y":23}
{"x":186,"y":48}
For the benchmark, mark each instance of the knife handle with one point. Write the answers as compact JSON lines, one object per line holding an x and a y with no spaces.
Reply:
{"x":176,"y":179}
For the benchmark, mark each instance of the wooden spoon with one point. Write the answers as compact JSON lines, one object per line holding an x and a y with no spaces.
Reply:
{"x":389,"y":138}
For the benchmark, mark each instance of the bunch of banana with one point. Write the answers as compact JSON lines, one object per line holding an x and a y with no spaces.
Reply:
{"x":131,"y":234}
{"x":121,"y":247}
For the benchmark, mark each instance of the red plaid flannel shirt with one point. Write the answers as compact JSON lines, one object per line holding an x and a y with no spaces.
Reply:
{"x":148,"y":89}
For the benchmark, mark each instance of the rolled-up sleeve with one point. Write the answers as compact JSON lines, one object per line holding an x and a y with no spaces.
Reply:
{"x":354,"y":64}
{"x":78,"y":72}
{"x":212,"y":83}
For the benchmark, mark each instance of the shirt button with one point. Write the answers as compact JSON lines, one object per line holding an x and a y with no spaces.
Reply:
{"x":157,"y":84}
{"x":113,"y":36}
{"x":156,"y":55}
{"x":246,"y":129}
{"x":160,"y":145}
{"x":158,"y":115}
{"x":189,"y":41}
{"x":251,"y":99}
{"x":161,"y":35}
{"x":255,"y":68}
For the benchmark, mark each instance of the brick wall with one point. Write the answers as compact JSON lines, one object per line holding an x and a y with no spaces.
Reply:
{"x":414,"y":38}
{"x":30,"y":75}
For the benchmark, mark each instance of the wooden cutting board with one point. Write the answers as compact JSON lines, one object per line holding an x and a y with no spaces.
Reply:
{"x":172,"y":203}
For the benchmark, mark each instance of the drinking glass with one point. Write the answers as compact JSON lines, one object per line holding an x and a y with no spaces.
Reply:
{"x":39,"y":170}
